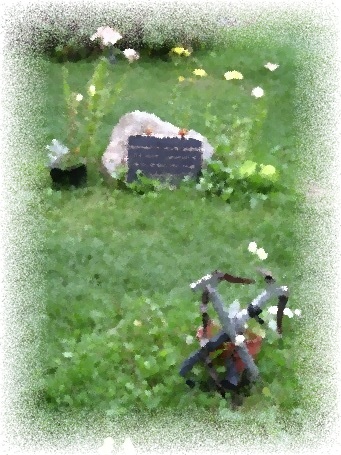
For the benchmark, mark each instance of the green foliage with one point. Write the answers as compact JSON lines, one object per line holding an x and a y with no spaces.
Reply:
{"x":119,"y":306}
{"x":243,"y":181}
{"x":118,"y":263}
{"x":84,"y":114}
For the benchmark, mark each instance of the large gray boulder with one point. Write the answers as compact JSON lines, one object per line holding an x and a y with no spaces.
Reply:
{"x":136,"y":123}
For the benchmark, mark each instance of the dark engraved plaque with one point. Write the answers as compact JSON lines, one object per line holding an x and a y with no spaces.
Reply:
{"x":170,"y":158}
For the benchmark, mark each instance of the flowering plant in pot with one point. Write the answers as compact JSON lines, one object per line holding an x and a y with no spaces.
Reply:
{"x":69,"y":158}
{"x":232,"y":345}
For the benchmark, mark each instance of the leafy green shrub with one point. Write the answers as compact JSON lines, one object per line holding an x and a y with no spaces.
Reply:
{"x":247,"y":178}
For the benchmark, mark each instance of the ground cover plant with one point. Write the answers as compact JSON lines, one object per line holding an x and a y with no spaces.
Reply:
{"x":120,"y":315}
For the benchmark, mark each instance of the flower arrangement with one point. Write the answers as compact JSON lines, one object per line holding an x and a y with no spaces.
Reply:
{"x":86,"y":110}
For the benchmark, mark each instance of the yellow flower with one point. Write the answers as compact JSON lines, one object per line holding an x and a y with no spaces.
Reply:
{"x":178,"y":50}
{"x":181,"y":78}
{"x":233,"y":75}
{"x":199,"y":72}
{"x":186,"y":53}
{"x":267,"y":170}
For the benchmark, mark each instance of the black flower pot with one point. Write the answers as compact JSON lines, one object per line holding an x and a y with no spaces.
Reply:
{"x":74,"y":176}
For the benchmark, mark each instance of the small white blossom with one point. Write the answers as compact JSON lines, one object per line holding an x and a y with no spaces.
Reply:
{"x":297,"y":312}
{"x":271,"y":66}
{"x":288,"y":312}
{"x":239,"y":340}
{"x":131,"y":55}
{"x":262,"y":254}
{"x":107,"y":35}
{"x":273,"y":325}
{"x":57,"y":148}
{"x":272,"y":310}
{"x":137,"y":323}
{"x":285,"y":290}
{"x":252,"y":247}
{"x":92,"y":90}
{"x":189,"y":339}
{"x":257,"y":92}
{"x":79,"y":97}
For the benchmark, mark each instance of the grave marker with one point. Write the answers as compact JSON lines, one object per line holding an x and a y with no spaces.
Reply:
{"x":162,"y":158}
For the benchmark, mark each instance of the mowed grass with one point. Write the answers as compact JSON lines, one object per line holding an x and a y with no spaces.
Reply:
{"x":119,"y":265}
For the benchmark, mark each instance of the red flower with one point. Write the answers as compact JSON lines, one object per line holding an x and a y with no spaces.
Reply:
{"x":182,"y":132}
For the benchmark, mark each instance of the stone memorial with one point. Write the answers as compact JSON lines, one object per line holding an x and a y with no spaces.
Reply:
{"x":171,"y":158}
{"x":138,"y":123}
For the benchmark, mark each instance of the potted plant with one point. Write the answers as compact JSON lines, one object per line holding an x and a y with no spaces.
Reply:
{"x":68,"y":160}
{"x":227,"y":350}
{"x":66,"y":167}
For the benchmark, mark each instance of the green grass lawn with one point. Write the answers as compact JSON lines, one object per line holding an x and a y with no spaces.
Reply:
{"x":115,"y":257}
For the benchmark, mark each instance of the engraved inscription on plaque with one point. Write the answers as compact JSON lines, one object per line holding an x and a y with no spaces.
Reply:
{"x":170,"y":158}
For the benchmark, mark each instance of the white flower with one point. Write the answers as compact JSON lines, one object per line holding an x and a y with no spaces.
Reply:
{"x":57,"y":149}
{"x":137,"y":323}
{"x":92,"y":90}
{"x":262,"y":254}
{"x":252,"y":247}
{"x":271,"y":66}
{"x":128,"y":447}
{"x":239,"y":340}
{"x":272,"y":310}
{"x":131,"y":55}
{"x":285,"y":289}
{"x":107,"y":35}
{"x":79,"y":97}
{"x":189,"y":339}
{"x":272,"y":325}
{"x":257,"y":92}
{"x":297,"y":312}
{"x":288,"y":312}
